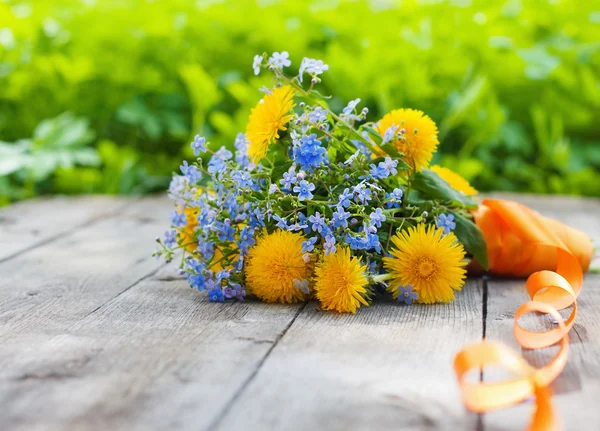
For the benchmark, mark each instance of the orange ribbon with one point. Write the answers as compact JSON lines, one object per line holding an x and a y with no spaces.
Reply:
{"x":520,"y":242}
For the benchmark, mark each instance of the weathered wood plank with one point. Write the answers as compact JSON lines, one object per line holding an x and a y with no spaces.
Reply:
{"x":387,"y":367}
{"x":578,"y":387}
{"x":89,"y":341}
{"x":49,"y":287}
{"x":156,"y":357}
{"x":30,"y":223}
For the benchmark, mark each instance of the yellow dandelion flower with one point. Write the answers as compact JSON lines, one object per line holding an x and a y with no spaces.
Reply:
{"x":430,"y":261}
{"x":272,"y":266}
{"x":419,"y":135}
{"x":269,"y":116}
{"x":455,"y":181}
{"x":341,"y":282}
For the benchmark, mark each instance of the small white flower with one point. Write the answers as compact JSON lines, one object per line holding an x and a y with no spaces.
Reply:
{"x":257,"y":63}
{"x":280,"y":60}
{"x":389,"y":134}
{"x":317,"y":115}
{"x":352,"y":158}
{"x":312,"y":66}
{"x":317,"y":67}
{"x":351,"y":106}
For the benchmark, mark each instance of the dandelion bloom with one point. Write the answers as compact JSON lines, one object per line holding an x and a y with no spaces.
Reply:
{"x":269,"y":116}
{"x":418,"y":135}
{"x":429,"y":260}
{"x":455,"y":181}
{"x":341,"y":282}
{"x":273,"y":264}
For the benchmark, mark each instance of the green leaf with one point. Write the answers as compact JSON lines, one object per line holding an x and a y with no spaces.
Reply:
{"x":469,"y":234}
{"x":137,"y":113}
{"x":8,"y":166}
{"x":332,"y":153}
{"x":13,"y":157}
{"x":202,"y":90}
{"x":62,"y":132}
{"x":391,"y":150}
{"x":322,"y":96}
{"x":373,"y":133}
{"x":460,"y":108}
{"x":279,"y":170}
{"x":435,"y":187}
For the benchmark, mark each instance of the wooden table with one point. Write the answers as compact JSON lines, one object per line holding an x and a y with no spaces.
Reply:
{"x":95,"y":334}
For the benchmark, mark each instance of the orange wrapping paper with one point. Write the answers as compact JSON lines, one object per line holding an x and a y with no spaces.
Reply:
{"x":521,"y":243}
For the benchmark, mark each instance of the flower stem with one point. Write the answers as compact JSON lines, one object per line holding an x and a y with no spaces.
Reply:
{"x":381,"y":278}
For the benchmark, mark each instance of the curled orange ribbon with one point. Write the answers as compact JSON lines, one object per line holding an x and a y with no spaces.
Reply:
{"x":521,"y":241}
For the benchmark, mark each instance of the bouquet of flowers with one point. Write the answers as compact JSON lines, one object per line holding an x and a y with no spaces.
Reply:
{"x":323,"y":204}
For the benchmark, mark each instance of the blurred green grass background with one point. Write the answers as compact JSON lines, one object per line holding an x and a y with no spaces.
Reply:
{"x":104,"y":96}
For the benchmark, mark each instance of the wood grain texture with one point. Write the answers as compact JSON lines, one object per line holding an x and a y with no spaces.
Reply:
{"x":46,"y":289}
{"x":387,"y":367}
{"x":49,"y":287}
{"x":29,"y":223}
{"x":577,"y":389}
{"x":90,"y":339}
{"x":156,"y":357}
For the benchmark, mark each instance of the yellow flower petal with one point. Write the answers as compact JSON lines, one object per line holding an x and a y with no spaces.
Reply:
{"x":430,"y":261}
{"x":269,"y":116}
{"x":455,"y":181}
{"x":419,"y":138}
{"x":272,"y":266}
{"x":341,"y":282}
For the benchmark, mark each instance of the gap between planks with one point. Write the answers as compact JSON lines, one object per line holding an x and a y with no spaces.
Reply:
{"x":387,"y":366}
{"x":227,"y":408}
{"x":157,"y":356}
